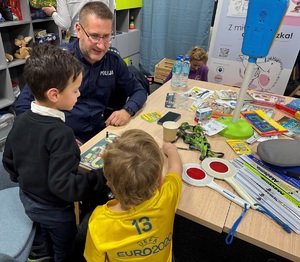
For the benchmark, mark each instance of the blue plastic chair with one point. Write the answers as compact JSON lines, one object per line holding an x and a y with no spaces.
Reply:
{"x":17,"y":231}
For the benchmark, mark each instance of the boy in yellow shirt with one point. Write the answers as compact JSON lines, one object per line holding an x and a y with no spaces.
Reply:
{"x":138,"y":224}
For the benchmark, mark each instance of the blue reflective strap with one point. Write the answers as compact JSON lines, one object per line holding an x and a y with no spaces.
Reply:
{"x":264,"y":210}
{"x":232,"y":231}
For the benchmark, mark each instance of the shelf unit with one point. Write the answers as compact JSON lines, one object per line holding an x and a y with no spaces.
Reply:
{"x":126,"y":40}
{"x":13,"y":71}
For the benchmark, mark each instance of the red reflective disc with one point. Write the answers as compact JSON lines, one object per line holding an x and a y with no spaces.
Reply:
{"x":195,"y":173}
{"x":218,"y":167}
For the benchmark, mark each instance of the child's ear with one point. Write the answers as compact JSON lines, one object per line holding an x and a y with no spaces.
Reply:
{"x":52,"y":94}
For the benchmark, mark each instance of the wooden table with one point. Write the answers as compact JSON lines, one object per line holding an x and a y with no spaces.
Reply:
{"x":204,"y":205}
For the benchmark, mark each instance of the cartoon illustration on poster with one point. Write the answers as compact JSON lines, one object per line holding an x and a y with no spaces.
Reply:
{"x":227,"y":63}
{"x":267,"y":72}
{"x":237,"y":8}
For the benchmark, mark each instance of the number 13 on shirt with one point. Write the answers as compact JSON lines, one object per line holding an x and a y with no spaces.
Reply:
{"x":142,"y":225}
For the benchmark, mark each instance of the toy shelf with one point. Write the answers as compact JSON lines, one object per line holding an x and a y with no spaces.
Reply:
{"x":9,"y":31}
{"x":126,"y":40}
{"x":12,"y":72}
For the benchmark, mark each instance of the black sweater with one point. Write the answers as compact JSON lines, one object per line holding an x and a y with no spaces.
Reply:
{"x":42,"y":155}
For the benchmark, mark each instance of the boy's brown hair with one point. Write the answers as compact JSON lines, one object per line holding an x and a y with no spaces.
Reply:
{"x":50,"y":66}
{"x":133,"y":165}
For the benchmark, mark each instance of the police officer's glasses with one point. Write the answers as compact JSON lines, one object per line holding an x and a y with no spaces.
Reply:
{"x":96,"y":39}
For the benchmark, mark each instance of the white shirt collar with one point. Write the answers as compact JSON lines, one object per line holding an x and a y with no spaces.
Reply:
{"x":47,"y":111}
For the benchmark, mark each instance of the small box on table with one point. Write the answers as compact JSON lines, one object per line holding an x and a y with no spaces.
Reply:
{"x":203,"y":114}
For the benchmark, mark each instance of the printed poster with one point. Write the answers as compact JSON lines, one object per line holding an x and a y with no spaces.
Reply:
{"x":227,"y":64}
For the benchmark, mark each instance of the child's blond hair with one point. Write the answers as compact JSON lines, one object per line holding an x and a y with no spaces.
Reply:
{"x":133,"y":165}
{"x":198,"y":53}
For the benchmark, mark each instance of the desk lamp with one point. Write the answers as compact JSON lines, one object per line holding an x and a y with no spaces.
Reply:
{"x":262,"y":22}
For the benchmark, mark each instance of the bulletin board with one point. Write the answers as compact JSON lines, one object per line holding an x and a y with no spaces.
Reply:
{"x":226,"y":62}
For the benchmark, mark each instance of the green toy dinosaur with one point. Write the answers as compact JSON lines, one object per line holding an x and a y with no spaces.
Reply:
{"x":194,"y":136}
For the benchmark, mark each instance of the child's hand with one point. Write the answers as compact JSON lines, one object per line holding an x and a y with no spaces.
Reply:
{"x":79,"y":143}
{"x":168,"y":148}
{"x":174,"y":161}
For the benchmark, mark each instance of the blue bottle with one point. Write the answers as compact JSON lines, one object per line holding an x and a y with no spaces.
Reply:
{"x":186,"y":66}
{"x":176,"y":71}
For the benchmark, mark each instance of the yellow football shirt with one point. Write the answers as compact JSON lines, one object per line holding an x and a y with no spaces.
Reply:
{"x":143,"y":233}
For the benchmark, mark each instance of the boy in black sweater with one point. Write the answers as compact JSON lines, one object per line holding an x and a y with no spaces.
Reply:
{"x":41,"y":152}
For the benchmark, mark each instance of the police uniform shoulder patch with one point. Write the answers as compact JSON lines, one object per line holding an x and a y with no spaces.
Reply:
{"x":114,"y":50}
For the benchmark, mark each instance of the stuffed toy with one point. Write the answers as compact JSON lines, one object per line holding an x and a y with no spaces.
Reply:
{"x":9,"y":57}
{"x":23,"y":51}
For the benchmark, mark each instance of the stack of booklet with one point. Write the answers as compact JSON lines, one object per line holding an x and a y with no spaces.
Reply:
{"x":274,"y":190}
